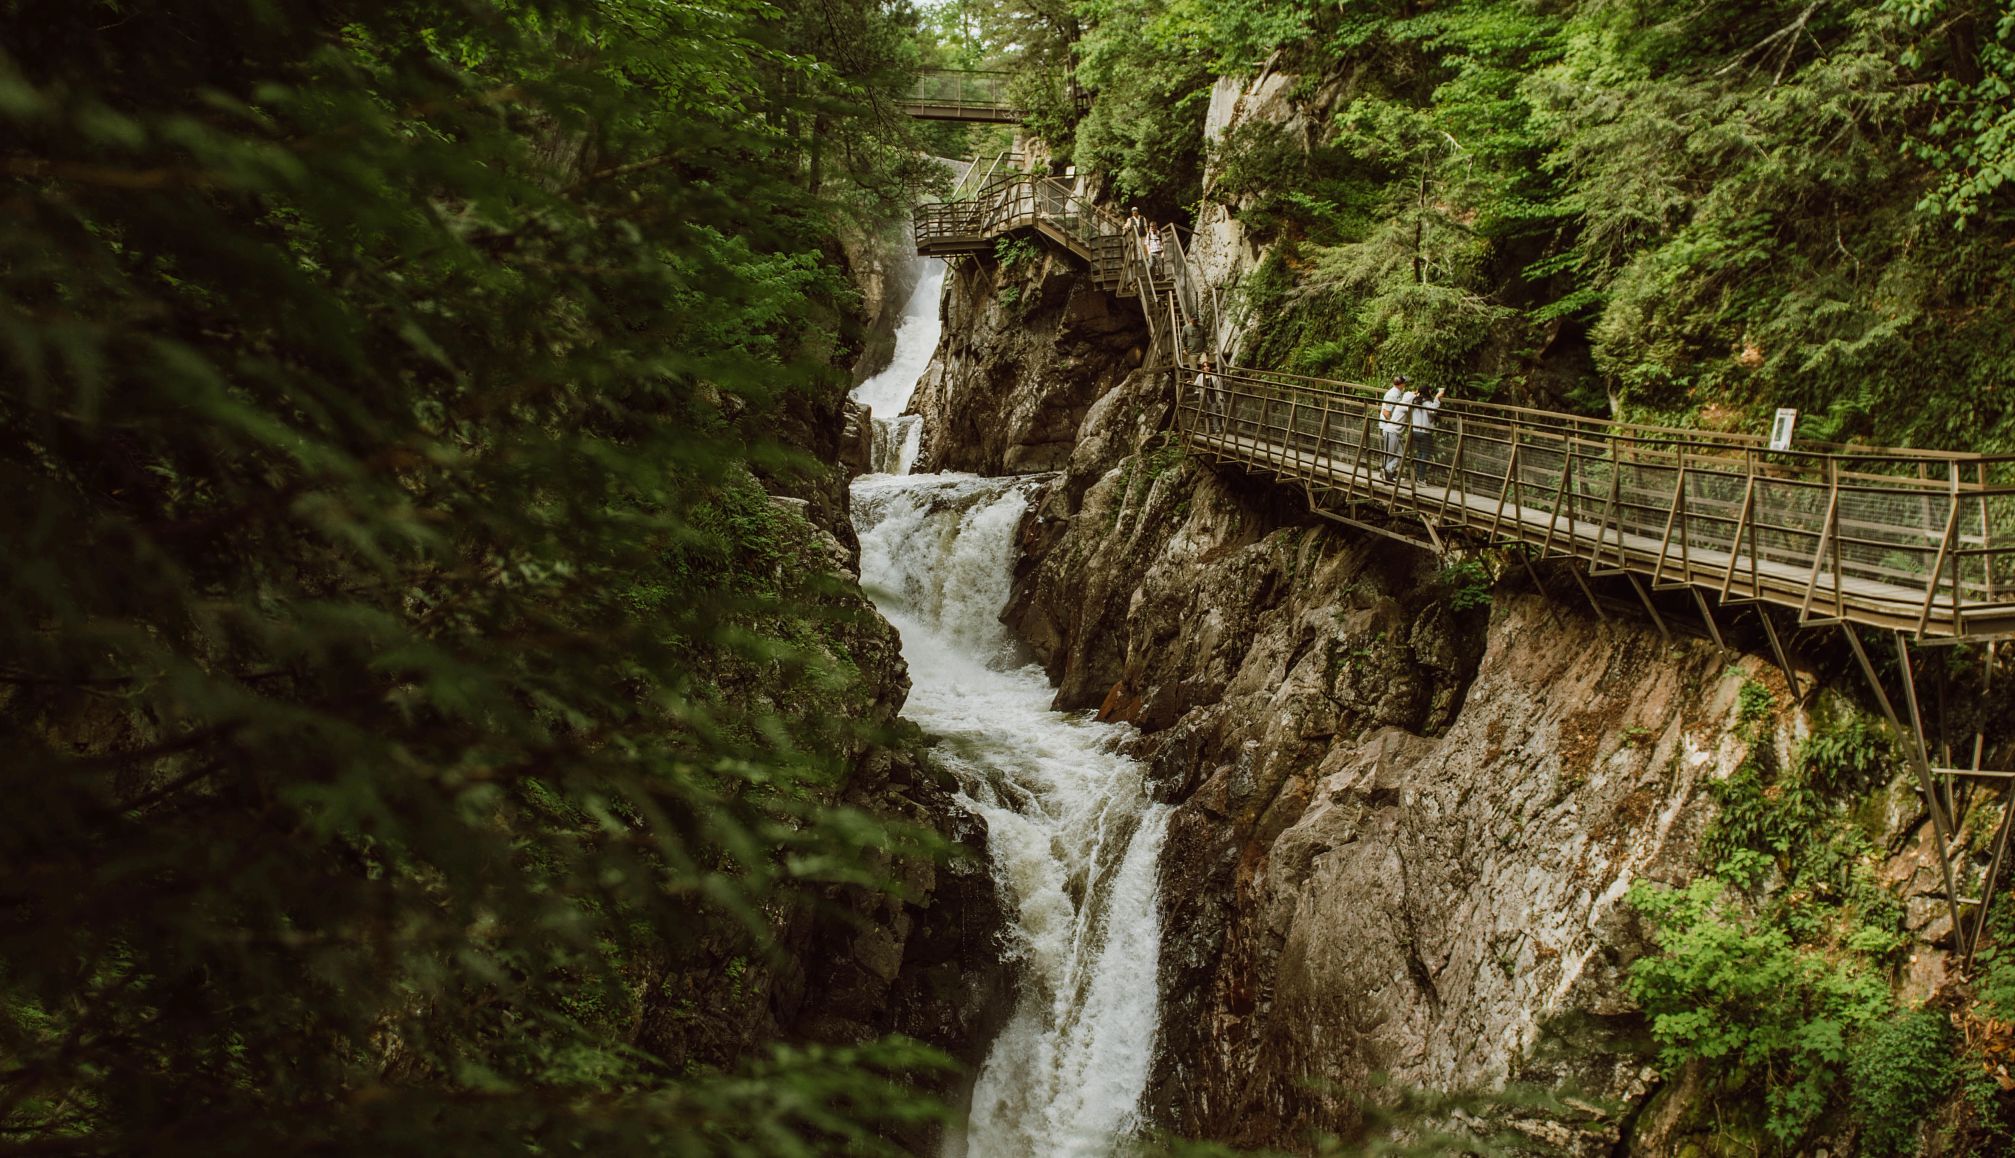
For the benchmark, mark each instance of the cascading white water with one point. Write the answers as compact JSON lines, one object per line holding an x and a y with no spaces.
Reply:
{"x":1075,"y":840}
{"x":886,"y":394}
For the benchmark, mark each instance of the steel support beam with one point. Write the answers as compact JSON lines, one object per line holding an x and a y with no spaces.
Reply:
{"x":1940,"y":826}
{"x":1644,"y":597}
{"x":1783,"y":657}
{"x":1707,"y":617}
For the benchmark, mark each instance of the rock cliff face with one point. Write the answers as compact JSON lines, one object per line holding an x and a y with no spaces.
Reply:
{"x":1440,"y":907}
{"x":1052,"y":345}
{"x":1406,"y":820}
{"x":884,"y":270}
{"x":1411,"y":795}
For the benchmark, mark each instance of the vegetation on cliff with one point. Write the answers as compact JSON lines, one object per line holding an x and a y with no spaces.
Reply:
{"x":1662,"y":210}
{"x":417,"y":715}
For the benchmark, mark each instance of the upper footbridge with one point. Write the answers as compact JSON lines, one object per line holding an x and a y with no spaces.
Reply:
{"x":976,"y":96}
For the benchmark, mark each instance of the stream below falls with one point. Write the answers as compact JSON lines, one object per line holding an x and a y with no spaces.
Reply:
{"x":1074,"y":839}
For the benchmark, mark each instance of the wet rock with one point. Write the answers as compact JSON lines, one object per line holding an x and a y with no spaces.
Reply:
{"x":1027,"y":353}
{"x":857,"y":440}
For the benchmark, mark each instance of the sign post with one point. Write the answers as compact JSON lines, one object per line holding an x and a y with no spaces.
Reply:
{"x":1780,"y":429}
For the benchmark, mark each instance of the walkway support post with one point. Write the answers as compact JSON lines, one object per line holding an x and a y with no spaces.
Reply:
{"x":1917,"y":732}
{"x":1713,"y":628}
{"x":1777,"y":649}
{"x":1940,"y":825}
{"x":1644,"y":597}
{"x":1993,"y":872}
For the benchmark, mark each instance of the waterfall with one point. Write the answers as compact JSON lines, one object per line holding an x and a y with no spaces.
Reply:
{"x":1075,"y":840}
{"x":886,"y":394}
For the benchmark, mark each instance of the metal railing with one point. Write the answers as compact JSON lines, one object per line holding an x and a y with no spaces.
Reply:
{"x":963,"y":95}
{"x":977,"y":175}
{"x":1909,"y":540}
{"x":1012,"y":202}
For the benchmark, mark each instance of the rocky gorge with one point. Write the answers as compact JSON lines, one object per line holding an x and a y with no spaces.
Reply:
{"x":573,"y":586}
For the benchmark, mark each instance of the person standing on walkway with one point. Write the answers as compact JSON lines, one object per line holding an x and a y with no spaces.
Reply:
{"x":1154,"y":253}
{"x":1392,"y":424}
{"x":1422,"y":408}
{"x":1192,"y":341}
{"x":1211,"y":387}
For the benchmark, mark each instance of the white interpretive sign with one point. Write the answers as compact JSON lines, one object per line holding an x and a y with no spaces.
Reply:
{"x":1780,"y":430}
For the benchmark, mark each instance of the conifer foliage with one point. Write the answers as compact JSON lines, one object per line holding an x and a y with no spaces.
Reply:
{"x":1651,"y":209}
{"x":380,"y":387}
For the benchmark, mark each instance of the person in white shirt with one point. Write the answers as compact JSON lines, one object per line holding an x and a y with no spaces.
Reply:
{"x":1422,"y":408}
{"x":1215,"y":408}
{"x":1392,"y":424}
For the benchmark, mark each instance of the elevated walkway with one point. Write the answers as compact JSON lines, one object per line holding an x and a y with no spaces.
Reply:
{"x":1916,"y":541}
{"x":976,"y":217}
{"x":1898,"y":540}
{"x":975,"y":96}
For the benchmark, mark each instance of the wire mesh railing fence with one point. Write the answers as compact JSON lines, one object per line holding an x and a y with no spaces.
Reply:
{"x":1900,"y":539}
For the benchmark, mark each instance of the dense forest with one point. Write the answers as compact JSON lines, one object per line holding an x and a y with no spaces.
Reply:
{"x":403,"y":670}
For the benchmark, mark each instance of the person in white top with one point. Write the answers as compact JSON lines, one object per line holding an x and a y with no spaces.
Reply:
{"x":1215,"y":408}
{"x":1153,"y":239}
{"x":1422,"y":408}
{"x":1392,"y":424}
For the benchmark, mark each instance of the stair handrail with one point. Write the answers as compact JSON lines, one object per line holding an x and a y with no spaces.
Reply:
{"x":1081,"y":211}
{"x":1183,"y":273}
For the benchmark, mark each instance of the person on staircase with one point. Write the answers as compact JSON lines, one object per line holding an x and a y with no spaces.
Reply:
{"x":1392,"y":423}
{"x":1421,"y":407}
{"x":1154,"y":253}
{"x":1192,"y":341}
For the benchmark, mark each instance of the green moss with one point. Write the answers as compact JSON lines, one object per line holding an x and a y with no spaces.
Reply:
{"x":1754,"y":707}
{"x":1468,"y":582}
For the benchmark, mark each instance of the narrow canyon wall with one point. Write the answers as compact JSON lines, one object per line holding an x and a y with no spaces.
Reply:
{"x":1406,"y":822}
{"x":884,"y":268}
{"x":1040,"y":344}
